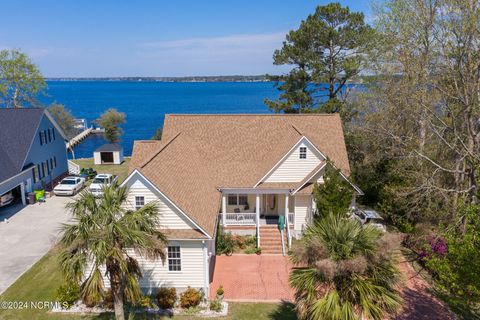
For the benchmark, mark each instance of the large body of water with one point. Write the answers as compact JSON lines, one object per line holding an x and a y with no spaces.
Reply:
{"x":146,"y":103}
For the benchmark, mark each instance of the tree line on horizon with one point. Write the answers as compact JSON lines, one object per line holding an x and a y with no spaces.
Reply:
{"x":413,"y":139}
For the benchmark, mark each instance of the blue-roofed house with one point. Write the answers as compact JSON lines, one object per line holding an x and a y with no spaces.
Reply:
{"x":32,"y":150}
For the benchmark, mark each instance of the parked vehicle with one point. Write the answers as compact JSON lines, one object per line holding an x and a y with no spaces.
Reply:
{"x":101,"y":180}
{"x":88,"y":173}
{"x":369,"y":216}
{"x":69,"y":186}
{"x":6,"y":198}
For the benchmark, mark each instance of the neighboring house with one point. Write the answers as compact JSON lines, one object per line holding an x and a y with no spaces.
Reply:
{"x":241,"y":171}
{"x":32,"y":150}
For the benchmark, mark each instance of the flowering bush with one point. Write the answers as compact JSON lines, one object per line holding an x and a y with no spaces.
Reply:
{"x":454,"y":258}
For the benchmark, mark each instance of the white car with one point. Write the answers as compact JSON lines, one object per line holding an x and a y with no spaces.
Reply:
{"x":6,"y":198}
{"x":368,"y":216}
{"x":69,"y":186}
{"x":101,"y":180}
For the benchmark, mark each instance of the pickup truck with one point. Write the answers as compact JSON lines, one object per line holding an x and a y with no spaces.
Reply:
{"x":101,"y":180}
{"x":69,"y":186}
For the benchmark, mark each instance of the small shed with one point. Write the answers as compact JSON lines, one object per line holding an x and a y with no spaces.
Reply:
{"x":108,"y":154}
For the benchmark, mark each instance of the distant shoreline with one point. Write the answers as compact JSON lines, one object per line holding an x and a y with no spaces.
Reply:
{"x":257,"y":78}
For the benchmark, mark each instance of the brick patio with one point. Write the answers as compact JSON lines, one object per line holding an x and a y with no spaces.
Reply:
{"x":253,"y":278}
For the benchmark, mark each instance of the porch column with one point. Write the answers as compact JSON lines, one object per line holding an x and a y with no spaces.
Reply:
{"x":224,"y":209}
{"x":289,"y":238}
{"x":257,"y":211}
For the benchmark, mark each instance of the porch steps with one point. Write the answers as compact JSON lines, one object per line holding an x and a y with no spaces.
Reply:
{"x":271,"y":240}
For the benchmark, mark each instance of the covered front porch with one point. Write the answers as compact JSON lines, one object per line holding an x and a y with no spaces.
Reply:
{"x":258,"y":208}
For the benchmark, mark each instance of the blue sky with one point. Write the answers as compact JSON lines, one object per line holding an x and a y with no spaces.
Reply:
{"x":153,"y":38}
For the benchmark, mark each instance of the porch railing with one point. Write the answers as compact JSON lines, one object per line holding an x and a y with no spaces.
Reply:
{"x":243,"y":219}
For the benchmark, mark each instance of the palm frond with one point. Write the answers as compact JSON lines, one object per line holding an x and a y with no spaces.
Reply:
{"x":92,"y":290}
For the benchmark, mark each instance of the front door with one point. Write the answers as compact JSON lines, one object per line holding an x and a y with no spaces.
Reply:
{"x":271,"y":205}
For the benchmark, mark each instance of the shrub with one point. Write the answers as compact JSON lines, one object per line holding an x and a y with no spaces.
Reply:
{"x":144,"y":302}
{"x":251,"y":241}
{"x":454,"y":257}
{"x":166,"y":297}
{"x":220,"y":291}
{"x":240,"y":242}
{"x":190,"y":298}
{"x":67,"y":294}
{"x":216,"y":305}
{"x":225,"y":242}
{"x":250,"y":250}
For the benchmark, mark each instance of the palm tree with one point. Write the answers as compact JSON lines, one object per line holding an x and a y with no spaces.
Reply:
{"x":106,"y":236}
{"x":344,"y":271}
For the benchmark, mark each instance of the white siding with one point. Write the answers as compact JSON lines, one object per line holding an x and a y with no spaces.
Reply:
{"x":303,"y":205}
{"x":156,"y":274}
{"x":96,"y":158}
{"x":169,"y":217}
{"x":294,"y":169}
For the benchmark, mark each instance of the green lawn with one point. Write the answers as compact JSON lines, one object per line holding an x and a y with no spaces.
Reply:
{"x":41,"y":281}
{"x":121,"y":170}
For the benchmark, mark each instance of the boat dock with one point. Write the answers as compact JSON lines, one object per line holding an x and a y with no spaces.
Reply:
{"x":79,"y":138}
{"x":82,"y":135}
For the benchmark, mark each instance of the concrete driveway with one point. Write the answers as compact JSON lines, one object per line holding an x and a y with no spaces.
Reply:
{"x":29,"y":233}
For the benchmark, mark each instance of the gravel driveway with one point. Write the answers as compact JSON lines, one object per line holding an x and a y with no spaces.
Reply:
{"x":29,"y":233}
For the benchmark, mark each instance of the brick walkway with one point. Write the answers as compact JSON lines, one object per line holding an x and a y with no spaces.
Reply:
{"x":253,"y":278}
{"x":419,"y":304}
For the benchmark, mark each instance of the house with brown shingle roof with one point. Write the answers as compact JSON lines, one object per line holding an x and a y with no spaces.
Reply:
{"x":245,"y":172}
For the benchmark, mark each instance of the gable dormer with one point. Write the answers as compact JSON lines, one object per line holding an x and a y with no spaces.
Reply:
{"x":297,"y":163}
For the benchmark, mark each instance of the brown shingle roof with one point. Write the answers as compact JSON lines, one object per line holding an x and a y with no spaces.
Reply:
{"x":142,"y":150}
{"x":173,"y":234}
{"x":200,"y":153}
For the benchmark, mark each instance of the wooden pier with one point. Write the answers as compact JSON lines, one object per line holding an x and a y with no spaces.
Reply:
{"x":79,"y":138}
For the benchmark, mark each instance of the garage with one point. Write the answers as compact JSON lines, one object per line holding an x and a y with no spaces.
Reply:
{"x":17,"y":185}
{"x":108,"y":154}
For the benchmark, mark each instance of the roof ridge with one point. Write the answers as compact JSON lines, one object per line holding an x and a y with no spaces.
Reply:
{"x":159,"y":150}
{"x":296,"y":129}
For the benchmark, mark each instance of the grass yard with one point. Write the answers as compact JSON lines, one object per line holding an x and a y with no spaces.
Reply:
{"x":42,"y":280}
{"x":121,"y":170}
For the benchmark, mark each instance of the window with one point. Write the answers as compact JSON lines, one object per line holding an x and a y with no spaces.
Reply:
{"x":237,"y":199}
{"x":40,"y":176}
{"x":53,"y":133}
{"x":174,"y":259}
{"x":46,"y":169}
{"x":242,"y":200}
{"x":55,"y":161}
{"x":303,"y":153}
{"x":41,"y":138}
{"x":139,"y":202}
{"x":49,"y":135}
{"x":51,"y":163}
{"x":232,"y":199}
